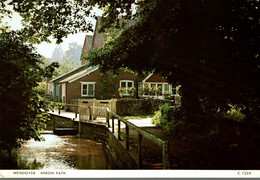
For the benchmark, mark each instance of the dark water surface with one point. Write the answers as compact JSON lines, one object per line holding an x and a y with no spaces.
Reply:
{"x":65,"y":152}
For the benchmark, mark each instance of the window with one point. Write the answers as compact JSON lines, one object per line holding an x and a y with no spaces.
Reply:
{"x":126,"y":84}
{"x":166,"y":88}
{"x":154,"y":89}
{"x":88,"y":89}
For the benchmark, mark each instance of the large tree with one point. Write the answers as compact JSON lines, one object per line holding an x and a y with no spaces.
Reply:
{"x":210,"y":47}
{"x":23,"y":111}
{"x":73,"y":54}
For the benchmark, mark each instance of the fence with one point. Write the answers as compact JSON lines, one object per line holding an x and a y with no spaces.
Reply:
{"x":85,"y":112}
{"x":141,"y":133}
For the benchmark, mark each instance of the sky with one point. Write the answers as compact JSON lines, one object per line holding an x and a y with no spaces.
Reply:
{"x":46,"y":49}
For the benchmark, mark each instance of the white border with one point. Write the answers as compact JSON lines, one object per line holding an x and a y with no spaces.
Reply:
{"x":131,"y":173}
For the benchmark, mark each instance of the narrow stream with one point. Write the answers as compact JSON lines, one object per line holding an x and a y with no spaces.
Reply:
{"x":65,"y":152}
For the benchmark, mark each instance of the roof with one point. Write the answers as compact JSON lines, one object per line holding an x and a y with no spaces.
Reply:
{"x":61,"y":77}
{"x":88,"y":42}
{"x":79,"y":74}
{"x":145,"y":79}
{"x":128,"y":23}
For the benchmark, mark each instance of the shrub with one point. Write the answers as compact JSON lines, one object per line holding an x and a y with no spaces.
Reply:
{"x":170,"y":119}
{"x":121,"y":91}
{"x":128,"y":106}
{"x":235,"y":113}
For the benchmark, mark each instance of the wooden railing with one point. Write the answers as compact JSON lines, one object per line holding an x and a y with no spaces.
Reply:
{"x":141,"y":133}
{"x":76,"y":108}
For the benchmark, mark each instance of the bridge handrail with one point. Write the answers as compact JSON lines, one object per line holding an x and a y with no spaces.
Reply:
{"x":163,"y":144}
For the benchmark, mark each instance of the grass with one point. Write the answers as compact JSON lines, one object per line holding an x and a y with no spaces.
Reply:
{"x":139,"y":116}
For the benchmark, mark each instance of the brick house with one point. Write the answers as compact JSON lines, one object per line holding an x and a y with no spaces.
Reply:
{"x":89,"y":82}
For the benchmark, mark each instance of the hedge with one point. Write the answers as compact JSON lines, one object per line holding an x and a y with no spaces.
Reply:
{"x":129,"y":106}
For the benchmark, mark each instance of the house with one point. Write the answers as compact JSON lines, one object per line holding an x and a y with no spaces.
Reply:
{"x":89,"y":82}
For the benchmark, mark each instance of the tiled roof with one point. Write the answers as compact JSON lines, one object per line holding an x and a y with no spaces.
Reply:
{"x":79,"y":74}
{"x":63,"y":76}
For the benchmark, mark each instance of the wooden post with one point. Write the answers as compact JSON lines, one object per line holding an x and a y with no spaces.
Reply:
{"x":107,"y":117}
{"x":79,"y":128}
{"x":127,"y":137}
{"x":119,"y":138}
{"x":166,"y":162}
{"x":76,"y":111}
{"x":59,"y":110}
{"x":94,"y":104}
{"x":79,"y":110}
{"x":90,"y":113}
{"x":113,"y":124}
{"x":140,"y":151}
{"x":54,"y":122}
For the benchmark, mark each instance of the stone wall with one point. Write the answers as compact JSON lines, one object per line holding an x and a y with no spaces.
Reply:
{"x":121,"y":156}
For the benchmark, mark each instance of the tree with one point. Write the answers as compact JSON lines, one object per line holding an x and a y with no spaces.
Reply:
{"x":64,"y":67}
{"x":209,"y":47}
{"x":23,"y":112}
{"x":57,"y":54}
{"x":74,"y":53}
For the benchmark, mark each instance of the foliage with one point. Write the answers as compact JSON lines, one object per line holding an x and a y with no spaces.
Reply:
{"x":73,"y":54}
{"x":23,"y":111}
{"x":41,"y":89}
{"x":166,"y":94}
{"x":41,"y":19}
{"x":150,"y":91}
{"x":15,"y":161}
{"x":158,"y":91}
{"x":107,"y":85}
{"x":129,"y":106}
{"x":235,"y":114}
{"x":65,"y":67}
{"x":130,"y":91}
{"x":55,"y":105}
{"x":121,"y":91}
{"x":170,"y":119}
{"x":139,"y":116}
{"x":209,"y":47}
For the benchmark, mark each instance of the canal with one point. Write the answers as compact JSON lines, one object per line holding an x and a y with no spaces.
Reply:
{"x":65,"y":152}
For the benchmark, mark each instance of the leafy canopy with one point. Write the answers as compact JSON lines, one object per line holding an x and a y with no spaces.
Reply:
{"x":23,"y":111}
{"x":58,"y":18}
{"x":209,"y":47}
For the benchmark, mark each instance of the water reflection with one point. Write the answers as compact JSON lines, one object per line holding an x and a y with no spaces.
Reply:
{"x":65,"y":152}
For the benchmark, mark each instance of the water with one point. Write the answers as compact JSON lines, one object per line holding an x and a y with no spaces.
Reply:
{"x":65,"y":152}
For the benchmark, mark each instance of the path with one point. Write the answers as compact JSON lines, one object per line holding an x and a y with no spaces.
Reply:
{"x":147,"y":122}
{"x":64,"y":113}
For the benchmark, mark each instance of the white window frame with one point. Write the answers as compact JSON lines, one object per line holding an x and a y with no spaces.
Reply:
{"x":156,"y":86}
{"x":88,"y":83}
{"x":126,"y":82}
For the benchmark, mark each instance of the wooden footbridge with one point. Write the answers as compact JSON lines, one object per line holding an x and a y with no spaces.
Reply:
{"x":111,"y":120}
